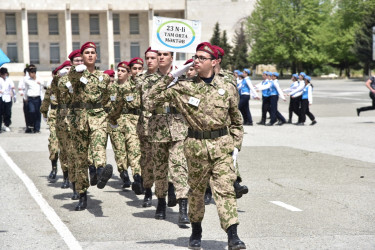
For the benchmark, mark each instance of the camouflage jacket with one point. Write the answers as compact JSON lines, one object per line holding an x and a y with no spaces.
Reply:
{"x":49,"y":99}
{"x":162,"y":127}
{"x":206,"y":107}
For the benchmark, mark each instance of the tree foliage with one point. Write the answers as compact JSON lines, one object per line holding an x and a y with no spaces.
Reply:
{"x":221,"y":40}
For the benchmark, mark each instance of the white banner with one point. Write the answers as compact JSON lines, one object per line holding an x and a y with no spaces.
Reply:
{"x":177,"y":35}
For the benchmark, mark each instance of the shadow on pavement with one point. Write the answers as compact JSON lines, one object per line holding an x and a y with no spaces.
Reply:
{"x":184,"y":242}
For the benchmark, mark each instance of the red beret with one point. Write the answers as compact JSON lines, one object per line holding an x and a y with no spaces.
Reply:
{"x":151,"y":50}
{"x":109,"y":72}
{"x":88,"y":45}
{"x":136,"y":60}
{"x":207,"y":47}
{"x":75,"y":53}
{"x":220,"y":51}
{"x":188,"y":61}
{"x":123,"y":64}
{"x":65,"y":64}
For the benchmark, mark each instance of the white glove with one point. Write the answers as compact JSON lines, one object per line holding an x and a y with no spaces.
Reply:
{"x":45,"y":119}
{"x":63,"y":72}
{"x":234,"y":156}
{"x":113,"y":126}
{"x":69,"y":86}
{"x":81,"y":68}
{"x":179,"y":72}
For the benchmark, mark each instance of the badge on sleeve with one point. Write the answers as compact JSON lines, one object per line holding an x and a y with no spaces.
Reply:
{"x":221,"y":91}
{"x":113,"y":98}
{"x":100,"y":78}
{"x":129,"y":98}
{"x":194,"y":101}
{"x":83,"y":80}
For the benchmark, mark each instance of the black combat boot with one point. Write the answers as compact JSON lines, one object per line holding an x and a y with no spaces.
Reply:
{"x":82,"y":204}
{"x":196,"y":236}
{"x":52,"y":175}
{"x":125,"y":178}
{"x":148,"y":197}
{"x":160,"y":209}
{"x":172,"y":201}
{"x":93,"y":175}
{"x":207,"y":196}
{"x":261,"y":122}
{"x":65,"y":183}
{"x":240,"y":190}
{"x":137,"y":185}
{"x":104,"y":174}
{"x":234,"y":241}
{"x":183,"y":217}
{"x":75,"y":194}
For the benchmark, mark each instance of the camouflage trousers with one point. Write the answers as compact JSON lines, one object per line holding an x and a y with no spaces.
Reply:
{"x":63,"y":133}
{"x":147,"y":167}
{"x":169,"y":157}
{"x":89,"y":129}
{"x":117,"y":138}
{"x":53,"y":144}
{"x":221,"y":175}
{"x":132,"y":143}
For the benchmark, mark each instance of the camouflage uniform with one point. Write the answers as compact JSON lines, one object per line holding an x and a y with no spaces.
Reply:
{"x":63,"y":127}
{"x":167,"y":132}
{"x":127,"y":107}
{"x":89,"y":121}
{"x":53,"y":144}
{"x":209,"y":159}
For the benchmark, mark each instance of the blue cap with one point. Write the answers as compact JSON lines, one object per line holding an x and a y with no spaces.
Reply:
{"x":308,"y":78}
{"x":275,"y":74}
{"x":302,"y":74}
{"x":236,"y":71}
{"x":248,"y":71}
{"x":240,"y":73}
{"x":295,"y":75}
{"x":269,"y":73}
{"x":264,"y":72}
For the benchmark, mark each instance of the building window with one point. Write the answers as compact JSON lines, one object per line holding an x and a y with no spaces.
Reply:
{"x":94,"y":24}
{"x":32,"y":22}
{"x":12,"y":52}
{"x":134,"y":23}
{"x":10,"y":23}
{"x":76,"y":45}
{"x":53,"y":24}
{"x":117,"y":52}
{"x":54,"y":53}
{"x":75,"y":24}
{"x":34,"y":53}
{"x":116,"y":24}
{"x":134,"y":49}
{"x":98,"y":60}
{"x":180,"y":56}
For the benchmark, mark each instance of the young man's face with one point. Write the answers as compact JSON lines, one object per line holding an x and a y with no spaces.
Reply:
{"x":136,"y":68}
{"x":89,"y":56}
{"x":191,"y":72}
{"x":151,"y":60}
{"x":122,"y":73}
{"x":77,"y":60}
{"x":204,"y":62}
{"x":165,"y":58}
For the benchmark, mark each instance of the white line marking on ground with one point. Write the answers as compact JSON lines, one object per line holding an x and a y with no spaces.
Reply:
{"x":286,"y":206}
{"x":51,"y":215}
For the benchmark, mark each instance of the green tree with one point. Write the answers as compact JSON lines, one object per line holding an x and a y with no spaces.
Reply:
{"x":215,"y":39}
{"x":227,"y":59}
{"x":240,"y":56}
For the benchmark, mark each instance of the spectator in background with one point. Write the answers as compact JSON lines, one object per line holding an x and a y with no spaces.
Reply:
{"x":8,"y":94}
{"x":245,"y":88}
{"x":370,"y":84}
{"x":33,"y":91}
{"x":21,"y":90}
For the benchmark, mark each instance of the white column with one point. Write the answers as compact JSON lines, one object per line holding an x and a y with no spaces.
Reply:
{"x":68,"y":30}
{"x":150,"y":21}
{"x":111,"y":50}
{"x":25,"y":35}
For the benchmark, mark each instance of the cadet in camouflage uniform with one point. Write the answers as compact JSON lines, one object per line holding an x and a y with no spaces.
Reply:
{"x":167,"y":132}
{"x":53,"y":145}
{"x":116,"y":134}
{"x":127,"y":107}
{"x":215,"y":132}
{"x":89,"y":123}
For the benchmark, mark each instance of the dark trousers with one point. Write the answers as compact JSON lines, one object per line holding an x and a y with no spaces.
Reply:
{"x":305,"y":111}
{"x":372,"y":96}
{"x":294,"y":106}
{"x":34,"y":111}
{"x":274,"y":113}
{"x":26,"y":113}
{"x":266,"y":103}
{"x":1,"y":112}
{"x":7,"y":113}
{"x":243,"y":106}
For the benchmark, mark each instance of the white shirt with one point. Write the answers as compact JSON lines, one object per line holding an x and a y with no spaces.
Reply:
{"x":33,"y":87}
{"x":7,"y":89}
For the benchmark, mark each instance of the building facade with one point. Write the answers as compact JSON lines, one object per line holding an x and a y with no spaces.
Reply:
{"x":44,"y":32}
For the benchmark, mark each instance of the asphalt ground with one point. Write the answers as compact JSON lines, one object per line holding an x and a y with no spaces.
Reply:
{"x":310,"y":187}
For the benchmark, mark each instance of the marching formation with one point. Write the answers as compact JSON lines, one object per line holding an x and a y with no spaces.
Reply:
{"x":179,"y":129}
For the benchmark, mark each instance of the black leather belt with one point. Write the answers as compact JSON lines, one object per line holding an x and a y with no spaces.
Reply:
{"x":132,"y":111}
{"x":53,"y":106}
{"x":207,"y":134}
{"x":165,"y":110}
{"x":62,"y":106}
{"x":86,"y":105}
